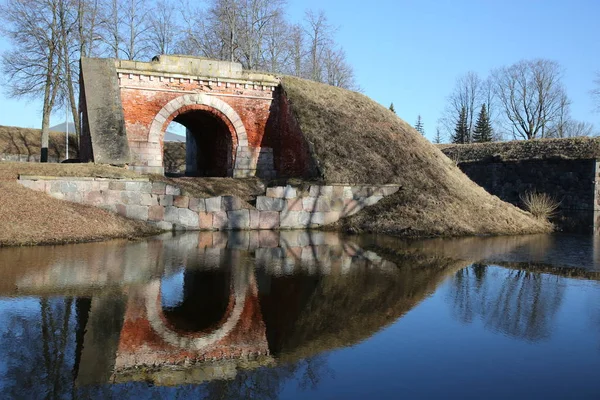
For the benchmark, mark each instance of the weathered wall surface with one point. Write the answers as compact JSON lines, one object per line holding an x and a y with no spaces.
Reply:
{"x":580,"y":148}
{"x":167,"y":207}
{"x":572,"y":182}
{"x":103,"y":128}
{"x":566,"y":169}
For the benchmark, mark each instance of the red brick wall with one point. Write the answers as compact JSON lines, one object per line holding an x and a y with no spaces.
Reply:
{"x":292,"y":156}
{"x":141,"y":105}
{"x":265,"y":113}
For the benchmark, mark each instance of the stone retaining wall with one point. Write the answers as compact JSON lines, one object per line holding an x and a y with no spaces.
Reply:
{"x":167,"y":207}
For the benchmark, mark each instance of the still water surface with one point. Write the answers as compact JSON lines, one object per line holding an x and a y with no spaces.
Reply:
{"x":302,"y":315}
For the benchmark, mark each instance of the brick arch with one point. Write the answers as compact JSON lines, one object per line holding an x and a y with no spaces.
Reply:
{"x":200,"y":341}
{"x":173,"y":107}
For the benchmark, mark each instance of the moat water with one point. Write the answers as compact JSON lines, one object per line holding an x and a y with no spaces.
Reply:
{"x":302,"y":315}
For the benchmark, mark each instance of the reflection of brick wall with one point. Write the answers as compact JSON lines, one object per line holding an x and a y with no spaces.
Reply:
{"x":140,"y":345}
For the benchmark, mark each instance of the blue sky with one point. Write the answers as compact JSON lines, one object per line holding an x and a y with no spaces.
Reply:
{"x":411,"y":52}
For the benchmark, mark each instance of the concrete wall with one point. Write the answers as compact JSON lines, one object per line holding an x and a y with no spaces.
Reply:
{"x":167,"y":207}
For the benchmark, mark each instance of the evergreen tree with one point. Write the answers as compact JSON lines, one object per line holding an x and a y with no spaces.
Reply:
{"x":483,"y":128}
{"x":419,"y":126}
{"x":392,"y":109}
{"x":438,"y":136}
{"x":461,"y":132}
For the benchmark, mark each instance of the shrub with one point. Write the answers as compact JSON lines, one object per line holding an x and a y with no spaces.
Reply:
{"x":541,"y":205}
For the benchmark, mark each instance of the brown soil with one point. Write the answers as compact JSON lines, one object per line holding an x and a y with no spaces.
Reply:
{"x":356,"y":140}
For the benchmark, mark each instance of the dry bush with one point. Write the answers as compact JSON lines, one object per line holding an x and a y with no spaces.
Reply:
{"x":540,"y":205}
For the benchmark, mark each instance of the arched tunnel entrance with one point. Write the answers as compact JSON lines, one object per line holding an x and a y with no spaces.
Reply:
{"x":209,"y":143}
{"x":206,"y":299}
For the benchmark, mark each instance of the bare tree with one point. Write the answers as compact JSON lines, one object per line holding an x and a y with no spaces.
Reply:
{"x":337,"y":71}
{"x":530,"y":94}
{"x":298,"y":51}
{"x":254,"y":19}
{"x":596,"y":91}
{"x":125,"y":26}
{"x":164,"y":31}
{"x":279,"y":44}
{"x":319,"y":34}
{"x":469,"y":93}
{"x":32,"y":66}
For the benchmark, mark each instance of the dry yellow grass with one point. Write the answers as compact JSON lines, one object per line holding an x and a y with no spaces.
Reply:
{"x":356,"y":140}
{"x":28,"y":217}
{"x":26,"y":141}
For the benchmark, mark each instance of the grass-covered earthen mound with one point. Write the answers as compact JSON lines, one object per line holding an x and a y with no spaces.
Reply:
{"x":355,"y":140}
{"x":28,"y":217}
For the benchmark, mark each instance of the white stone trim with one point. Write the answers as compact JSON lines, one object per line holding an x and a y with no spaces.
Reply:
{"x":156,"y":128}
{"x":156,"y":319}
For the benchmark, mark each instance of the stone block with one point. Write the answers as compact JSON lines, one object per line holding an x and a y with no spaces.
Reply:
{"x":276,"y":192}
{"x":336,"y":204}
{"x":264,"y":203}
{"x":348,"y":192}
{"x":293,"y":205}
{"x":136,"y":212}
{"x":112,"y":196}
{"x":75,"y":197}
{"x":143,"y":187}
{"x":156,"y":213}
{"x":165,"y":226}
{"x":313,"y":219}
{"x":83,"y":186}
{"x":316,"y":204}
{"x":231,"y":203}
{"x":188,"y":218}
{"x":172,"y":214}
{"x":197,"y":204}
{"x":220,"y":220}
{"x":116,"y":185}
{"x":147,"y":199}
{"x":94,"y":198}
{"x":269,"y":220}
{"x":181,"y":201}
{"x":121,"y":209}
{"x":316,"y":191}
{"x":337,"y":192}
{"x":205,"y":221}
{"x":290,"y":192}
{"x":213,"y":204}
{"x":165,"y":200}
{"x":331,"y":217}
{"x":239,"y":219}
{"x":254,"y":219}
{"x":159,"y":188}
{"x":351,"y":207}
{"x":369,"y":201}
{"x":172,"y":190}
{"x":131,"y":198}
{"x":294,"y":220}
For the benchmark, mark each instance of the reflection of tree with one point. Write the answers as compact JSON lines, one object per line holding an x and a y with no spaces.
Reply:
{"x":39,"y":351}
{"x":515,"y":302}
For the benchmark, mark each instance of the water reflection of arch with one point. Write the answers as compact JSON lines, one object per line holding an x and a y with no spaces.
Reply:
{"x":185,"y":338}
